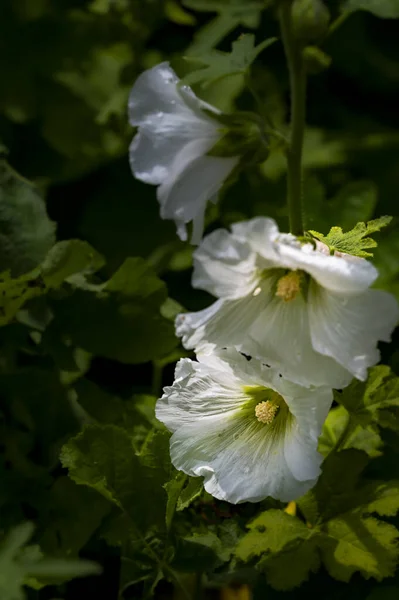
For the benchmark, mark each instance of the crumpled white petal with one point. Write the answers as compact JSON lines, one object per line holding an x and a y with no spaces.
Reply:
{"x":326,"y":334}
{"x":171,"y":145}
{"x":260,"y":235}
{"x":225,"y":269}
{"x":238,"y":457}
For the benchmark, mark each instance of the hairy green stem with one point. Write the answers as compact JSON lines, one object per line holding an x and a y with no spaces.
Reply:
{"x":297,"y":73}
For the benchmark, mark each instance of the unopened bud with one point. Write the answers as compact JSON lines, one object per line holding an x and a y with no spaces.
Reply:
{"x":310,"y":19}
{"x":315,"y":60}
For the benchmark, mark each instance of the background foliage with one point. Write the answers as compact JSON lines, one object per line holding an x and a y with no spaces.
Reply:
{"x":92,"y":280}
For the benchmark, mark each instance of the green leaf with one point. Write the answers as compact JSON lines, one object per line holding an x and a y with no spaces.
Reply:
{"x":69,"y":258}
{"x":103,"y":457}
{"x":192,"y":490}
{"x":362,"y":437}
{"x":385,"y":9}
{"x":136,"y":415}
{"x":385,"y":500}
{"x":230,"y":14}
{"x":353,"y":242}
{"x":120,"y":319}
{"x":290,"y":568}
{"x":355,"y":544}
{"x":40,"y":406}
{"x":286,"y":545}
{"x":19,"y":563}
{"x":64,"y":260}
{"x":26,"y":232}
{"x":336,"y":489}
{"x":217,"y":64}
{"x":182,"y":491}
{"x":177,"y":14}
{"x":199,"y":552}
{"x":74,"y":514}
{"x":271,"y":532}
{"x":173,"y":489}
{"x":365,"y":400}
{"x":62,"y":570}
{"x":339,"y":529}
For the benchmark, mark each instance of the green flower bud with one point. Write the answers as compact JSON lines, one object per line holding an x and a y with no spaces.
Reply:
{"x":244,"y":135}
{"x":310,"y":19}
{"x":315,"y":60}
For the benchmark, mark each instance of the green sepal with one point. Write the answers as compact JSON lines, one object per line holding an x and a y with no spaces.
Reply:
{"x":244,"y":134}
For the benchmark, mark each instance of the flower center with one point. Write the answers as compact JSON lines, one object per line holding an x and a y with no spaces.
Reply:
{"x":289,"y":285}
{"x":265,"y":402}
{"x":266,"y":411}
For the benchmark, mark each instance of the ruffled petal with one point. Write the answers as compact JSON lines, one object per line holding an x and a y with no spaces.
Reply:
{"x":349,"y":275}
{"x":260,"y":234}
{"x":348,"y":329}
{"x":238,"y":461}
{"x":216,"y":391}
{"x":194,"y":179}
{"x":224,"y":266}
{"x":214,"y":438}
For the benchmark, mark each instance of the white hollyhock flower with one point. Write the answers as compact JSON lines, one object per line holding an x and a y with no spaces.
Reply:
{"x":246,"y":430}
{"x":310,"y":313}
{"x":171,"y":146}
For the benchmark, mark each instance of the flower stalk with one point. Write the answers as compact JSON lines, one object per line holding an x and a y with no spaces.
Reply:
{"x":297,"y":74}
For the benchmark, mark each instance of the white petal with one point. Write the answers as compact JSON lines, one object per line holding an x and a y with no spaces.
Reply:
{"x":264,"y":326}
{"x":238,"y":461}
{"x":348,"y":329}
{"x":260,"y":234}
{"x":226,"y":323}
{"x":341,"y":274}
{"x":224,"y":266}
{"x":154,"y":148}
{"x":301,"y":455}
{"x":282,"y":334}
{"x":310,"y":408}
{"x":199,"y":391}
{"x":166,"y":124}
{"x":236,"y":455}
{"x":156,"y":90}
{"x":193,"y":180}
